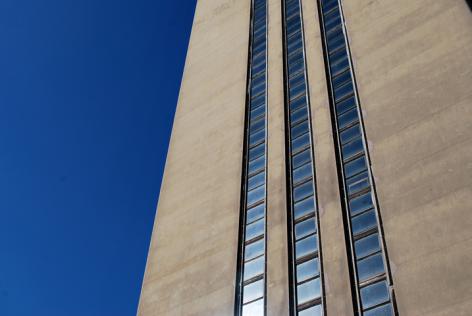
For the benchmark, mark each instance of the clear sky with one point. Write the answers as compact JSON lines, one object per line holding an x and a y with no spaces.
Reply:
{"x":88,"y":91}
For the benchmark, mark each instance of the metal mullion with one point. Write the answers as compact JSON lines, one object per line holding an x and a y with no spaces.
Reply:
{"x":311,"y":303}
{"x":378,"y":305}
{"x":309,"y":279}
{"x":306,"y":216}
{"x":374,"y":279}
{"x":307,"y":258}
{"x":370,"y":254}
{"x":254,"y":279}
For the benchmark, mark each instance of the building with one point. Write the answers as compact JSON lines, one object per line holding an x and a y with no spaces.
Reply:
{"x":320,"y":163}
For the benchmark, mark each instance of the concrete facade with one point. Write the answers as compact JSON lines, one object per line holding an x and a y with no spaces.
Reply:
{"x":412,"y":64}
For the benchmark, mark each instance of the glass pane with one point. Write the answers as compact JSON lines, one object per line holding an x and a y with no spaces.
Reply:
{"x":358,"y":183}
{"x":367,"y":245}
{"x":253,"y":291}
{"x":257,"y":137}
{"x":255,"y":213}
{"x":341,"y":79}
{"x":345,"y":105}
{"x":297,"y":90}
{"x":256,"y":180}
{"x":355,"y":166}
{"x":299,"y":129}
{"x":308,"y":270}
{"x":308,"y":291}
{"x":300,"y":77}
{"x":351,"y":133}
{"x":254,"y":309}
{"x":384,"y":310}
{"x":254,"y":249}
{"x":304,"y":207}
{"x":256,"y":151}
{"x":353,"y":148}
{"x":301,"y":158}
{"x":257,"y":125}
{"x":305,"y":228}
{"x":254,"y":268}
{"x":370,"y":267}
{"x":302,"y":173}
{"x":255,"y":229}
{"x":303,"y":191}
{"x":256,"y":164}
{"x":347,"y":118}
{"x":361,"y":203}
{"x":374,"y":294}
{"x":312,"y":311}
{"x":299,"y":115}
{"x":255,"y":195}
{"x":300,"y":142}
{"x":298,"y":103}
{"x":306,"y":246}
{"x":257,"y":111}
{"x":364,"y":222}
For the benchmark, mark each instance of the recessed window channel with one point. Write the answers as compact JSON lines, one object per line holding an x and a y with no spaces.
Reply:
{"x":251,"y":275}
{"x":372,"y":285}
{"x":305,"y":268}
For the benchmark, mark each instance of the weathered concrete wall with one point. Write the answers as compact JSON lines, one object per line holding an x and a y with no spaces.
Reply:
{"x":191,"y":266}
{"x":413,"y":65}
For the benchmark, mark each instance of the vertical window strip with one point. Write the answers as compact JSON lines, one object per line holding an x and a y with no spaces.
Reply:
{"x":373,"y":285}
{"x":305,"y":268}
{"x":251,"y":275}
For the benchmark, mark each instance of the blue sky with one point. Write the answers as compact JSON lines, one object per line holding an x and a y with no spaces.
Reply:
{"x":87,"y":95}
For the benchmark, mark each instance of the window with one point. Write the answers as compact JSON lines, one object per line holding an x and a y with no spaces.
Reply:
{"x":251,"y":278}
{"x":371,"y":278}
{"x":305,"y":268}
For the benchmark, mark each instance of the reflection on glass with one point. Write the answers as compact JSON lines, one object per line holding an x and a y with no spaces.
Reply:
{"x":253,"y":268}
{"x":254,"y":309}
{"x":312,"y":311}
{"x":253,"y":290}
{"x":374,"y":294}
{"x":304,"y":207}
{"x":364,"y":222}
{"x":305,"y":228}
{"x":308,"y":291}
{"x":367,"y":245}
{"x":370,"y":267}
{"x":307,"y":270}
{"x":254,"y":249}
{"x":306,"y":246}
{"x":255,"y":229}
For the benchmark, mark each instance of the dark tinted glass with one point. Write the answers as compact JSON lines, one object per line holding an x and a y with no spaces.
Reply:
{"x":300,"y":142}
{"x":347,"y":118}
{"x":352,"y":148}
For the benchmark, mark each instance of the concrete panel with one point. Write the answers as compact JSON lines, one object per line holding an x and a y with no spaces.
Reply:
{"x":277,"y":257}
